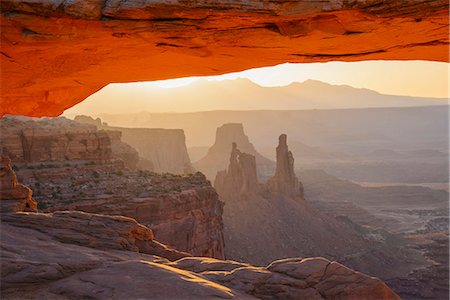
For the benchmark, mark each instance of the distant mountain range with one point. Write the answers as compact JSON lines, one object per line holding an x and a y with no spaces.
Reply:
{"x":240,"y":94}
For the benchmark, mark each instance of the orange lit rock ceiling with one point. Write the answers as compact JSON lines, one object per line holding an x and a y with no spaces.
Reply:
{"x":55,"y":53}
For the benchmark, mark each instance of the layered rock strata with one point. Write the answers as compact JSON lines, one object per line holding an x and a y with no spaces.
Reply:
{"x":56,"y":53}
{"x":184,"y":212}
{"x":46,"y":141}
{"x":34,"y":141}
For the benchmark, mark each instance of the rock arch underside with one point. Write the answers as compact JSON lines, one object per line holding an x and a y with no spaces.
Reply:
{"x":55,"y":53}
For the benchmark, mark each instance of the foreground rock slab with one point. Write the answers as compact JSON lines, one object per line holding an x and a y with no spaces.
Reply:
{"x":74,"y":255}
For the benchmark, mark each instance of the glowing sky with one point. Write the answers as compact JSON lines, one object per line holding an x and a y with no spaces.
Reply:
{"x":408,"y":78}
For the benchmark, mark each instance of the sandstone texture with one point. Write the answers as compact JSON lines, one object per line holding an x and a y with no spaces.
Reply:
{"x":218,"y":155}
{"x":56,"y":53}
{"x":14,"y":196}
{"x":74,"y":255}
{"x":160,"y":150}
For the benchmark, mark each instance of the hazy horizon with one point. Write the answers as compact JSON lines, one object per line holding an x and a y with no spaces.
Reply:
{"x":241,"y":95}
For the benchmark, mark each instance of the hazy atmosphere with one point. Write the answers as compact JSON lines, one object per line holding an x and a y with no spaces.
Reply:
{"x":180,"y":150}
{"x":417,"y":79}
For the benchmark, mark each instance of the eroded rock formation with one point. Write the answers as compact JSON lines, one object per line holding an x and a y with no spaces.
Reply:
{"x":14,"y":196}
{"x":48,"y":140}
{"x":218,"y":155}
{"x":277,"y":211}
{"x":285,"y":182}
{"x":240,"y":178}
{"x":78,"y":255}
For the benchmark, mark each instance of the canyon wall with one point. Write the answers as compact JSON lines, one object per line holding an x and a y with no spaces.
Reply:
{"x":56,"y":53}
{"x":218,"y":155}
{"x":161,"y":150}
{"x":35,"y":141}
{"x":184,"y":212}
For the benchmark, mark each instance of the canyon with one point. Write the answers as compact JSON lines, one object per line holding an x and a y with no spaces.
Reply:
{"x":277,"y":211}
{"x":418,"y":214}
{"x":55,"y":54}
{"x":73,"y":166}
{"x":70,"y":254}
{"x":152,"y":226}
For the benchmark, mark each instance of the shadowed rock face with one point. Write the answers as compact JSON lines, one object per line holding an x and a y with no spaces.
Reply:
{"x":14,"y":196}
{"x":285,"y":182}
{"x":56,"y":53}
{"x":35,"y":141}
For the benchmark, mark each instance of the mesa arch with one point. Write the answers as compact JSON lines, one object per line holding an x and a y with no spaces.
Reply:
{"x":55,"y":53}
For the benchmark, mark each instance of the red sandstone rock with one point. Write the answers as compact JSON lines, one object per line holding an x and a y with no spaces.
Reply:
{"x":56,"y":53}
{"x":14,"y":196}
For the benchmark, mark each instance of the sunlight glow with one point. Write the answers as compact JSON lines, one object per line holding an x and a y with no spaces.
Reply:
{"x":408,"y":78}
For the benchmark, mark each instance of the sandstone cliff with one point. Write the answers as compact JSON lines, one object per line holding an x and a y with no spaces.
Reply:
{"x":164,"y":149}
{"x":34,"y":141}
{"x":218,"y":155}
{"x":183,"y":211}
